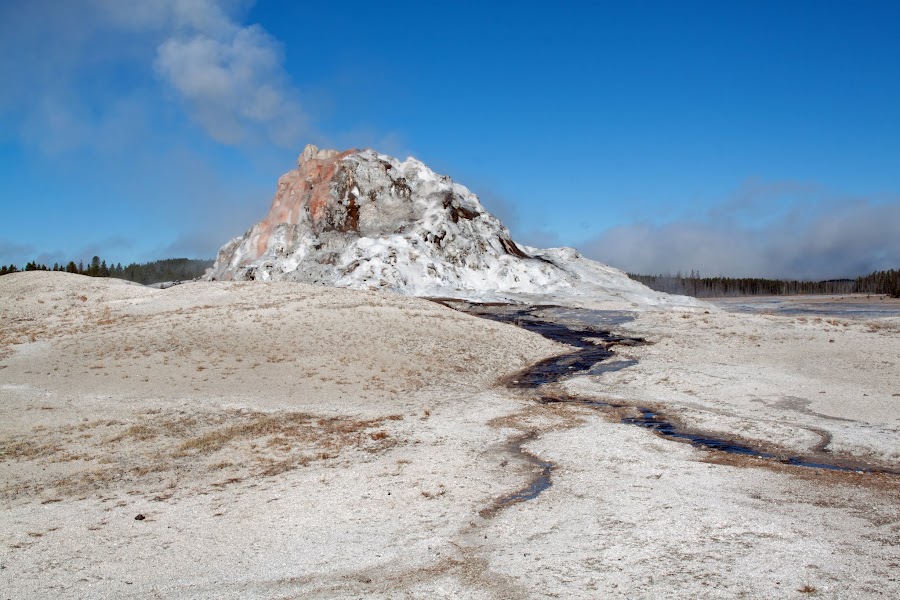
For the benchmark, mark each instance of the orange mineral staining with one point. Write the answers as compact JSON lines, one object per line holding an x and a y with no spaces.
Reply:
{"x":305,"y":188}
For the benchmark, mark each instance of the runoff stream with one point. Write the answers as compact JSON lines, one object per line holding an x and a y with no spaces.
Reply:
{"x":589,"y":333}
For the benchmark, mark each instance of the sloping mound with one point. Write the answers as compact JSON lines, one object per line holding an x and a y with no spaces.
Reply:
{"x":365,"y":220}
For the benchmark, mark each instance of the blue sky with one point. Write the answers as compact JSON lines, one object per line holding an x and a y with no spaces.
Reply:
{"x":738,"y":138}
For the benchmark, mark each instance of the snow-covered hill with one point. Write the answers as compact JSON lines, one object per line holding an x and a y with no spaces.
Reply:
{"x":360,"y":219}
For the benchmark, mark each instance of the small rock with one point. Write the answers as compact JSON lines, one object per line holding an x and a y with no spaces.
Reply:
{"x":140,"y":517}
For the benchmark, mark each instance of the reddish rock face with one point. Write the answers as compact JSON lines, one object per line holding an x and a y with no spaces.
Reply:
{"x":360,"y":215}
{"x":305,"y":193}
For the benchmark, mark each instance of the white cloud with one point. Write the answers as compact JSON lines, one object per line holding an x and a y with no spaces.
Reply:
{"x":232,"y":84}
{"x":208,"y":16}
{"x":60,"y":64}
{"x":812,"y":238}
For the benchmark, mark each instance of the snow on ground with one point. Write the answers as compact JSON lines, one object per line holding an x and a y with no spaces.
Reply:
{"x":280,"y":440}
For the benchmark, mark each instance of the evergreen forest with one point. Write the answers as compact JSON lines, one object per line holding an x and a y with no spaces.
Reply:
{"x":879,"y":282}
{"x":169,"y":269}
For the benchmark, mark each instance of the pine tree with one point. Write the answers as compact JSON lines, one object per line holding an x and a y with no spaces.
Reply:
{"x":94,"y":269}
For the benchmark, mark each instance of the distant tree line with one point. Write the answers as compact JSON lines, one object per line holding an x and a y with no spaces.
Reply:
{"x":169,"y":269}
{"x":879,"y":282}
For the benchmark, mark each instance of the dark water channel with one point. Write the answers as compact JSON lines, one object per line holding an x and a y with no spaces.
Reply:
{"x":588,"y":331}
{"x":658,"y":424}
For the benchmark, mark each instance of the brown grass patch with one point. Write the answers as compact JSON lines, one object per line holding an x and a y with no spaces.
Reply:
{"x":161,"y":455}
{"x":879,"y":327}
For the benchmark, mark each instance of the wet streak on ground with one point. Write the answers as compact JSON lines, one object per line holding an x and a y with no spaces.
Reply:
{"x":538,"y":483}
{"x":588,"y":331}
{"x":564,"y":325}
{"x":658,"y":424}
